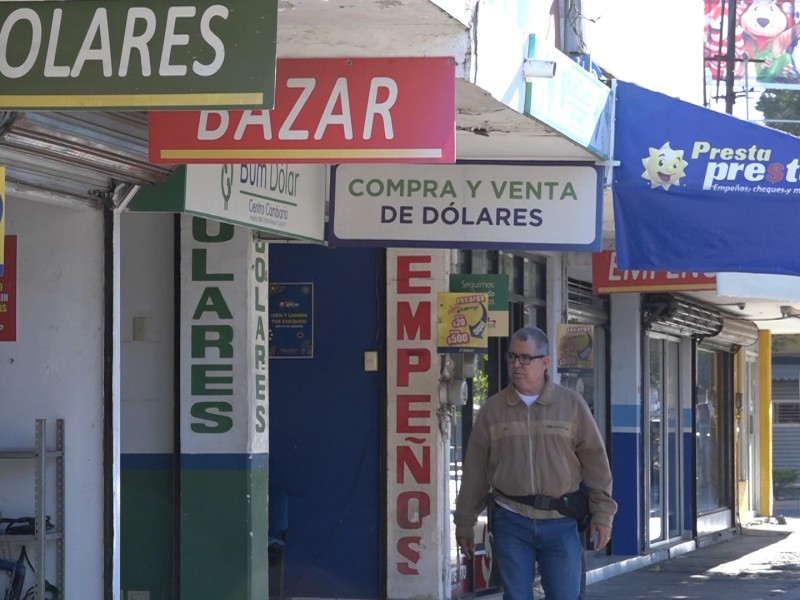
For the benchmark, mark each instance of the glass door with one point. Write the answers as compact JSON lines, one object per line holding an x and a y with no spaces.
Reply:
{"x":714,"y":402}
{"x":748,"y":432}
{"x":663,"y":443}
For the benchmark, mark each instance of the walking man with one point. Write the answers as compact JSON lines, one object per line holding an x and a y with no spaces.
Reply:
{"x":532,"y":445}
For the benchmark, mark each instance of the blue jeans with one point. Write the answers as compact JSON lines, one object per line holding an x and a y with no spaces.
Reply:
{"x":519,"y":543}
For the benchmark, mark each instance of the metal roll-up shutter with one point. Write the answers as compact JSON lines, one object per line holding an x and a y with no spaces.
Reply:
{"x":583,"y":306}
{"x":785,"y":391}
{"x":735,"y":333}
{"x":75,"y":158}
{"x":677,"y":315}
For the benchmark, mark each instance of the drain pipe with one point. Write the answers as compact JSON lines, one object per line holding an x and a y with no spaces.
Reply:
{"x":117,"y":203}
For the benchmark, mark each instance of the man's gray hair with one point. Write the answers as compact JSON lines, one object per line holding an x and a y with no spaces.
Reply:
{"x":538,"y":336}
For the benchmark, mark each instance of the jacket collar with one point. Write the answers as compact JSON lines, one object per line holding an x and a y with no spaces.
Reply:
{"x":545,"y":397}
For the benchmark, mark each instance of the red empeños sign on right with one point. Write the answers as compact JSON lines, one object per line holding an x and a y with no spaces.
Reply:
{"x":608,"y":278}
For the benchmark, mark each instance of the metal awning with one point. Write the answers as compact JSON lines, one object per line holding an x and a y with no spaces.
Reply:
{"x":75,"y":158}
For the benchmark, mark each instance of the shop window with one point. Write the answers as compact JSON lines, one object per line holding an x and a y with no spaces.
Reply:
{"x":587,"y":309}
{"x":713,"y":417}
{"x":663,"y":449}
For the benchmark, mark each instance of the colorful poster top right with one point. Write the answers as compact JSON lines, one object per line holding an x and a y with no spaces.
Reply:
{"x":765,"y":49}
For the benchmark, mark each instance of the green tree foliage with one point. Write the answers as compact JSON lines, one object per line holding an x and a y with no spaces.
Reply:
{"x":480,"y":387}
{"x":783,"y":106}
{"x":783,"y":480}
{"x":786,"y":344}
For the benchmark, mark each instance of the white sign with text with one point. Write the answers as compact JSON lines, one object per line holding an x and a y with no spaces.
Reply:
{"x":534,"y":206}
{"x":283,"y":199}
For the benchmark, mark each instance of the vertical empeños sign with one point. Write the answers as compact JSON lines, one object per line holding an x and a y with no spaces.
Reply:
{"x":415,"y":451}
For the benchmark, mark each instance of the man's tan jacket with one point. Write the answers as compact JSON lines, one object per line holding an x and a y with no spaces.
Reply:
{"x":547,"y":448}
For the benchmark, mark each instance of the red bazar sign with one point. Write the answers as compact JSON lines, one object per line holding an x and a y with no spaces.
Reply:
{"x":8,"y":292}
{"x":327,"y":110}
{"x":608,"y":278}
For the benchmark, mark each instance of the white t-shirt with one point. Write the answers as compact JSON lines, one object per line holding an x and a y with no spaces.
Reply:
{"x":528,"y":400}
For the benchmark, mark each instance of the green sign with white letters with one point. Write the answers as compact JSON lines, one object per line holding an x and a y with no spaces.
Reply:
{"x":137,"y":54}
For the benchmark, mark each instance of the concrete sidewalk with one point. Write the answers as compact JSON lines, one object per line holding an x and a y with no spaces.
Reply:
{"x":761,"y":562}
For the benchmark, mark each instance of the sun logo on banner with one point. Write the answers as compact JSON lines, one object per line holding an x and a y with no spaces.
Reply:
{"x":664,"y":167}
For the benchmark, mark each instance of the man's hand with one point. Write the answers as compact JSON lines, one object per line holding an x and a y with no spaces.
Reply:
{"x":600,"y":534}
{"x":467,"y":545}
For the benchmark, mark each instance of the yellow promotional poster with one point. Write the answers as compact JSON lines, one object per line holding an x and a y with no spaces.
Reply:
{"x":2,"y":219}
{"x":574,"y":350}
{"x":463,"y":322}
{"x":496,"y":288}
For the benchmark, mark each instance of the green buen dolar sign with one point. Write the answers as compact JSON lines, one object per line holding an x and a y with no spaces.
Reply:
{"x":137,"y":54}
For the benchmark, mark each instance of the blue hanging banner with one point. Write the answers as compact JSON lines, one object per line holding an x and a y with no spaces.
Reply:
{"x":702,"y":191}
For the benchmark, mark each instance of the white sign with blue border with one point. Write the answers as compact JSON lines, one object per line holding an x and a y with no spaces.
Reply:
{"x":535,"y":206}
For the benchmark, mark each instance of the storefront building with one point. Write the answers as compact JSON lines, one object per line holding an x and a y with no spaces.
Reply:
{"x":358,"y":432}
{"x":281,"y":392}
{"x":690,"y":433}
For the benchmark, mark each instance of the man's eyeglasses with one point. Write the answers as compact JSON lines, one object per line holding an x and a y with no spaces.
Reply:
{"x":524,"y":359}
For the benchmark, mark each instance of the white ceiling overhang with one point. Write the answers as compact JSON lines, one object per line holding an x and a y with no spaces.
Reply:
{"x":486,"y":128}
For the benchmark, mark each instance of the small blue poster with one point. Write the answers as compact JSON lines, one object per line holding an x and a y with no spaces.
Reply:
{"x":291,"y":320}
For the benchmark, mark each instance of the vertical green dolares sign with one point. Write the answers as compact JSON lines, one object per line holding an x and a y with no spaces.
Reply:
{"x":224,"y":408}
{"x":212,"y":327}
{"x":259,"y":316}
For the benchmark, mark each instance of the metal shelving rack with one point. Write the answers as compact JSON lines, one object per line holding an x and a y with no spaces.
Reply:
{"x":40,"y":455}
